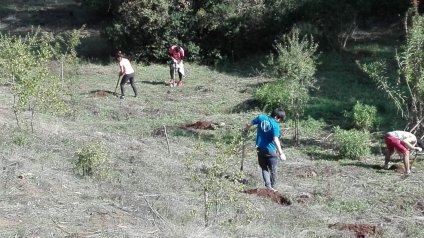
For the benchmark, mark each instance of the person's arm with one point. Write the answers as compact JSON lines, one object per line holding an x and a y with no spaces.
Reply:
{"x":121,"y":70}
{"x":279,"y":150}
{"x":182,"y":55}
{"x":410,"y":143}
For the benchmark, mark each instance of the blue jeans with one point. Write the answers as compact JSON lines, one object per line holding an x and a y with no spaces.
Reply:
{"x":268,"y":161}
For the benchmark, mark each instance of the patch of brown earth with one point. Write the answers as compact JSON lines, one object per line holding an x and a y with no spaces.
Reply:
{"x":202,"y":125}
{"x":397,"y":168}
{"x":101,"y":94}
{"x":306,"y":173}
{"x":360,"y":230}
{"x":273,"y":195}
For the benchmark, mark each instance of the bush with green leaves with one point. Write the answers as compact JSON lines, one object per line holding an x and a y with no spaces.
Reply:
{"x":352,"y":144}
{"x":25,"y":66}
{"x":294,"y":67}
{"x":363,"y":116}
{"x":93,"y":160}
{"x":406,"y":88}
{"x":216,"y":175}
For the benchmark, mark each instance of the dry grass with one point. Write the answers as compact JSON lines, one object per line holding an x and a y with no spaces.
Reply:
{"x":150,"y":193}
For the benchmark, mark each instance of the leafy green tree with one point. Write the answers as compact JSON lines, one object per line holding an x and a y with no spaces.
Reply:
{"x":24,"y":65}
{"x":294,"y":65}
{"x":406,"y":91}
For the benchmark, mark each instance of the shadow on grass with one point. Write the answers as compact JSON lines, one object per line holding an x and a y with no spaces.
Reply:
{"x":154,"y":82}
{"x":246,"y":106}
{"x":364,"y":165}
{"x":314,"y":149}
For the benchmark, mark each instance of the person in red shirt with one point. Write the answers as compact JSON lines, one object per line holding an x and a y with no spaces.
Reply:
{"x":177,"y":56}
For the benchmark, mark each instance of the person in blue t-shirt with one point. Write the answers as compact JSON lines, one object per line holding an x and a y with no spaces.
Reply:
{"x":268,"y":144}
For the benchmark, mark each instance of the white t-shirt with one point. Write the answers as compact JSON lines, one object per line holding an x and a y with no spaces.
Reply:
{"x":401,"y":135}
{"x":125,"y":63}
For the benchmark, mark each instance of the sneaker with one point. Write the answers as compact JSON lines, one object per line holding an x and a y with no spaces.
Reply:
{"x":180,"y":83}
{"x":386,"y":166}
{"x":407,"y":173}
{"x":171,"y":83}
{"x":122,"y":97}
{"x":272,"y":189}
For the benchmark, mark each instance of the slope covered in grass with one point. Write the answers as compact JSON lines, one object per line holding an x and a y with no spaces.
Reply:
{"x":150,"y":190}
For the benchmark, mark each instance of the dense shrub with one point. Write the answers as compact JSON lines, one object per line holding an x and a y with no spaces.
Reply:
{"x":294,"y":66}
{"x":92,"y":160}
{"x":364,"y":116}
{"x":352,"y":144}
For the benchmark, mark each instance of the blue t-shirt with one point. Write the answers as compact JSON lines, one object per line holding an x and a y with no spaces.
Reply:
{"x":267,"y":129}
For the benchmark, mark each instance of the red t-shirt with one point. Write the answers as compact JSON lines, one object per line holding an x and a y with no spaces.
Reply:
{"x":178,"y":55}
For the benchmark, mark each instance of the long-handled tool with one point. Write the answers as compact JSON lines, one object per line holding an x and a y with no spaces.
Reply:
{"x":243,"y":147}
{"x":117,"y":83}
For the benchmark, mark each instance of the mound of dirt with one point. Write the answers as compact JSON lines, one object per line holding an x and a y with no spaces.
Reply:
{"x":397,"y":168}
{"x":360,"y":230}
{"x":274,"y":196}
{"x":202,"y":125}
{"x":101,"y":94}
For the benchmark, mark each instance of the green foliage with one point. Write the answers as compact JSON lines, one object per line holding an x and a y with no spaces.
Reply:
{"x":20,"y":138}
{"x":294,"y":65}
{"x":352,"y":144}
{"x":349,"y":206}
{"x":407,"y":90}
{"x":25,"y":65}
{"x":363,"y":116}
{"x":220,"y":182}
{"x":93,"y":160}
{"x":271,"y":95}
{"x":311,"y":125}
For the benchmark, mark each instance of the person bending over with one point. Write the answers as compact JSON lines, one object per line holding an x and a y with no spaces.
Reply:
{"x":402,"y":142}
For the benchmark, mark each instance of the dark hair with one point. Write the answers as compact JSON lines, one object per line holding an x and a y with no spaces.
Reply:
{"x":279,"y":113}
{"x":119,"y":54}
{"x":420,"y":143}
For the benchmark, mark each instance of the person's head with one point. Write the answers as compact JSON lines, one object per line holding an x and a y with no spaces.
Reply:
{"x":278,"y":114}
{"x":119,"y":56}
{"x":178,"y":48}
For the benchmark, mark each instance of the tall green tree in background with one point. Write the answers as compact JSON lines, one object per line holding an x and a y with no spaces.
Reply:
{"x":216,"y":30}
{"x":406,"y":91}
{"x":294,"y":67}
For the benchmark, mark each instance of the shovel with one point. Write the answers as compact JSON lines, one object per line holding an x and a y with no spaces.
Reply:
{"x":117,"y":83}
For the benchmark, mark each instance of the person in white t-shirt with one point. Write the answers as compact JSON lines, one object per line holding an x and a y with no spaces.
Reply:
{"x":127,"y":73}
{"x":402,"y":142}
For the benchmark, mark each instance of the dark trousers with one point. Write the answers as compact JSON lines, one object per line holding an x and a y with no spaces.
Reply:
{"x":124,"y":80}
{"x":172,"y":67}
{"x":268,"y":161}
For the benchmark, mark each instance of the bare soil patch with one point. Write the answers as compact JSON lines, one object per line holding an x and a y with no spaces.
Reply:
{"x":202,"y":125}
{"x":274,"y":196}
{"x":360,"y":230}
{"x":398,"y":168}
{"x":101,"y":93}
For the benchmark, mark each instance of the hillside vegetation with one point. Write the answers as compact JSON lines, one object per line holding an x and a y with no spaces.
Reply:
{"x":167,"y":163}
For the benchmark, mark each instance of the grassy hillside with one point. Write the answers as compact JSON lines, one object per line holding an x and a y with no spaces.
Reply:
{"x":150,"y":192}
{"x":156,"y":178}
